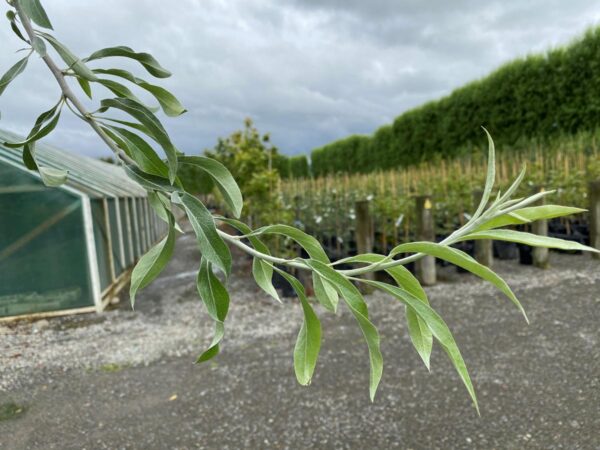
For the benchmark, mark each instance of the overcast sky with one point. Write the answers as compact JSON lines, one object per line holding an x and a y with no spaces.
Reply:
{"x":307,"y":71}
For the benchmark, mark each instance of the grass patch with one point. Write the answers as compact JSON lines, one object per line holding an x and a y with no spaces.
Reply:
{"x":10,"y":410}
{"x":112,"y":367}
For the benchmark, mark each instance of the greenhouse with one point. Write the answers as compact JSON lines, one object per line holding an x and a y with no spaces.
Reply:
{"x":71,"y":248}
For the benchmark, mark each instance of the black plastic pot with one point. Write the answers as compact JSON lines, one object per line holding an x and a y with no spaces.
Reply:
{"x":505,"y":250}
{"x":525,"y":255}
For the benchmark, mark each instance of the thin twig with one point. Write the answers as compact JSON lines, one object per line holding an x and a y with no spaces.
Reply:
{"x":68,"y":93}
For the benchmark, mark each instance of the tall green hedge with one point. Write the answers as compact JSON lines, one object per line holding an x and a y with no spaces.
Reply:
{"x":540,"y":96}
{"x":281,"y":164}
{"x":299,"y":167}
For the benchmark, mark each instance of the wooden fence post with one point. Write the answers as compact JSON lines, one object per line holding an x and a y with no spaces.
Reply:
{"x":484,"y":248}
{"x":365,"y":234}
{"x":540,"y":255}
{"x":594,"y":196}
{"x":425,"y":267}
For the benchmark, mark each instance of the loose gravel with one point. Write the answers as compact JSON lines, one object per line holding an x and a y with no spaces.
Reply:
{"x":125,"y":379}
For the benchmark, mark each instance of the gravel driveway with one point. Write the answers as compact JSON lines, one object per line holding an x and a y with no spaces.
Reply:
{"x":127,"y":380}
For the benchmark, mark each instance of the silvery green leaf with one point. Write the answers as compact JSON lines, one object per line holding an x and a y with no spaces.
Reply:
{"x":39,"y":46}
{"x":151,"y":264}
{"x":263,"y":275}
{"x":354,"y":299}
{"x":438,"y":328}
{"x":38,"y":132}
{"x":12,"y":73}
{"x":306,"y":241}
{"x":325,"y":292}
{"x":491,"y":174}
{"x":122,"y":91}
{"x":160,"y":205}
{"x":151,"y":124}
{"x":168,"y":102}
{"x":420,"y":334}
{"x":463,"y":260}
{"x":145,"y":59}
{"x":216,"y":300}
{"x":308,"y":343}
{"x":69,"y":58}
{"x":34,"y":10}
{"x":533,"y":240}
{"x":530,"y":214}
{"x":212,"y":246}
{"x":147,"y":181}
{"x":139,"y":150}
{"x":222,"y":178}
{"x":85,"y":86}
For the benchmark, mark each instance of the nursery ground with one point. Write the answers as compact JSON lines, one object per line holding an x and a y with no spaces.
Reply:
{"x":127,"y":380}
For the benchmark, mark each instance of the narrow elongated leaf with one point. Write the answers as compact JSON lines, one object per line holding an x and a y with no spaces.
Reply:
{"x":463,"y":260}
{"x":85,"y":86}
{"x":491,"y":174}
{"x":16,"y":30}
{"x":325,"y":293}
{"x":139,"y":150}
{"x":34,"y":10}
{"x":29,"y":148}
{"x":160,"y":205}
{"x":12,"y":73}
{"x":306,"y":241}
{"x":151,"y":264}
{"x":308,"y":343}
{"x":145,"y":59}
{"x":354,"y":299}
{"x":69,"y":58}
{"x":122,"y":91}
{"x":263,"y":275}
{"x":513,"y":187}
{"x":212,"y":247}
{"x":214,"y":348}
{"x":420,"y":334}
{"x":147,"y":181}
{"x":514,"y":205}
{"x":216,"y":300}
{"x":212,"y":292}
{"x":39,"y":46}
{"x":37,"y":135}
{"x":530,"y":239}
{"x":439,"y":329}
{"x":134,"y":125}
{"x":151,"y":123}
{"x":52,"y":177}
{"x":530,"y":214}
{"x":168,"y":102}
{"x":222,"y":178}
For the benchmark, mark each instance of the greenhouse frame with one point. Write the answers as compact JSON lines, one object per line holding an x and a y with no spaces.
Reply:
{"x":71,"y":248}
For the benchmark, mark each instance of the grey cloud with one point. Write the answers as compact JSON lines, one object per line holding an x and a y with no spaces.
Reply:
{"x":307,"y":71}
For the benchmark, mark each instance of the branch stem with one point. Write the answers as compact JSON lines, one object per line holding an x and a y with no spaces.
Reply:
{"x":67,"y":92}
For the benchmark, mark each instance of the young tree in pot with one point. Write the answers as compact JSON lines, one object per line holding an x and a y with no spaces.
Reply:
{"x":133,"y":143}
